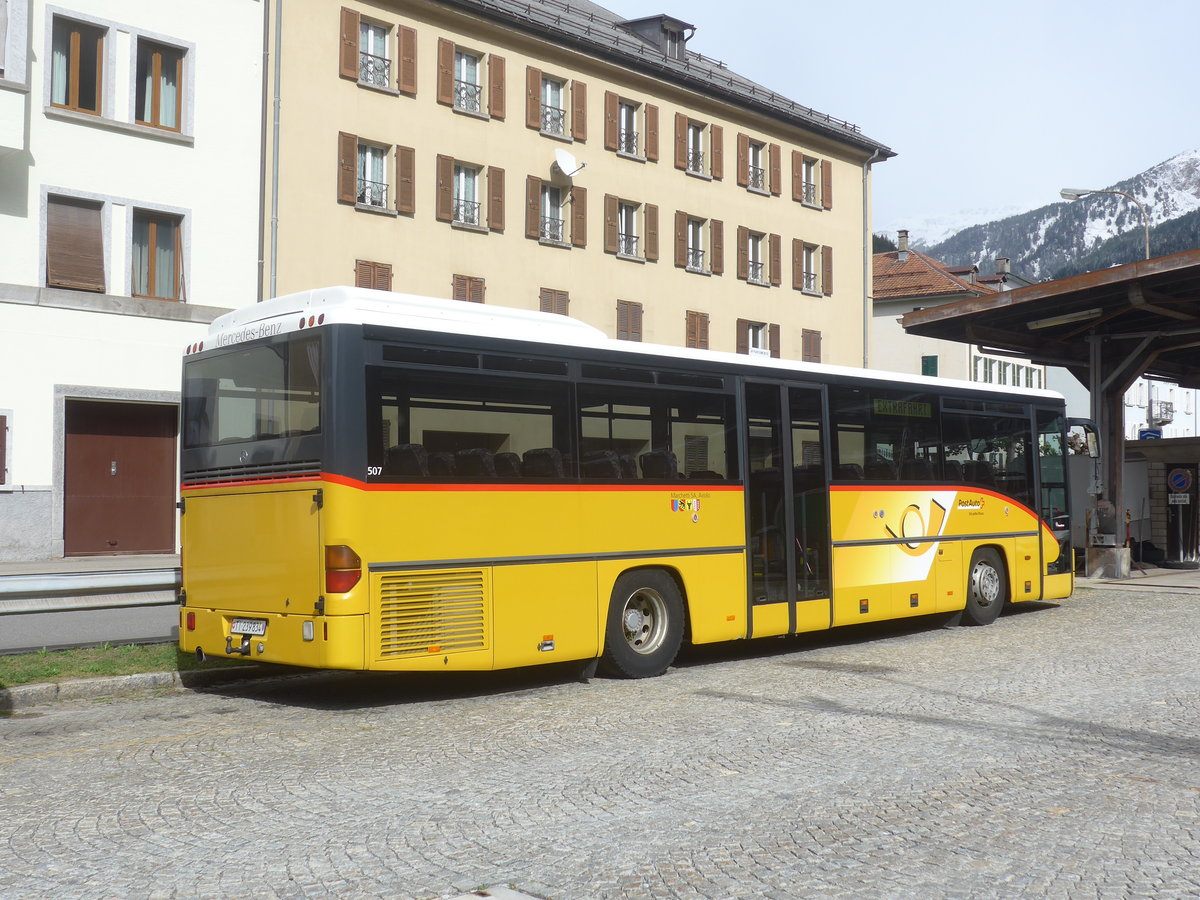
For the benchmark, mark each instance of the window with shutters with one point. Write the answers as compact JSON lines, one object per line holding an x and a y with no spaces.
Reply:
{"x":699,"y":244}
{"x":812,"y":181}
{"x":809,"y":268}
{"x":468,"y":288}
{"x":756,"y":169}
{"x":374,"y":62}
{"x":377,"y":54}
{"x":555,"y":216}
{"x":469,"y":195}
{"x":696,"y":330}
{"x":555,"y":301}
{"x":159,"y":85}
{"x":374,"y":275}
{"x":698,"y":147}
{"x":552,"y":227}
{"x":466,"y":201}
{"x":372,"y":181}
{"x":759,"y":345}
{"x":757,"y":338}
{"x":630,"y":229}
{"x":470,"y":81}
{"x":75,"y":244}
{"x":810,"y":346}
{"x":756,"y":267}
{"x":77,"y":66}
{"x":554,"y":110}
{"x":695,"y":245}
{"x":629,"y":320}
{"x":468,"y":87}
{"x":630,"y":128}
{"x":627,"y":228}
{"x":157,"y":253}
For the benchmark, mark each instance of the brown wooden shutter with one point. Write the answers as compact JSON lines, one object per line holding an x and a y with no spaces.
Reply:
{"x":444,"y":207}
{"x":461,"y":289}
{"x":383,"y":277}
{"x":533,"y":206}
{"x":775,"y":264}
{"x":445,"y":72}
{"x":610,"y":223}
{"x":717,"y":139}
{"x":775,"y":155}
{"x":743,"y":335}
{"x":697,"y":330}
{"x":651,"y":233}
{"x":468,"y":288}
{"x":681,"y":124}
{"x":611,"y":125}
{"x":374,"y":275}
{"x":579,"y":110}
{"x":629,"y":320}
{"x":475,"y":290}
{"x":716,"y":240}
{"x":743,"y":252}
{"x":811,"y":346}
{"x":651,"y":132}
{"x":743,"y":160}
{"x":578,"y":217}
{"x":348,"y":47}
{"x":773,"y":339}
{"x":406,"y":189}
{"x":533,"y":98}
{"x":826,"y":184}
{"x":797,"y":176}
{"x":554,"y":301}
{"x":347,"y":173}
{"x":496,"y":87}
{"x":74,"y":245}
{"x":495,"y":210}
{"x":681,"y":220}
{"x":797,"y":264}
{"x":827,"y":271}
{"x":407,"y":82}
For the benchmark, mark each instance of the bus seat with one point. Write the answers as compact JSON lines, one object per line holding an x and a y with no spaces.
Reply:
{"x":542,"y":462}
{"x":441,"y":463}
{"x":508,"y":465}
{"x":660,"y":465}
{"x":954,"y":470}
{"x":628,"y":466}
{"x":406,"y":461}
{"x":881,"y":470}
{"x":706,"y":475}
{"x":848,"y":472}
{"x":599,"y":464}
{"x":978,"y":471}
{"x":916,"y":470}
{"x":475,"y":461}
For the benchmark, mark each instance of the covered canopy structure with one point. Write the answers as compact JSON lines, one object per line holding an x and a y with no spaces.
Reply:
{"x":1108,"y":328}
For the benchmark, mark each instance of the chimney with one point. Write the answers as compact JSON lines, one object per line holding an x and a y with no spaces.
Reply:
{"x":1003,"y":265}
{"x":902,"y":244}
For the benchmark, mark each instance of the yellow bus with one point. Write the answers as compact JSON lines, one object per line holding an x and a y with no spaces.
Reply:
{"x":373,"y":480}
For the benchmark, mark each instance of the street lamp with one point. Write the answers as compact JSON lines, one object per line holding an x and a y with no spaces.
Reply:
{"x":1080,"y":193}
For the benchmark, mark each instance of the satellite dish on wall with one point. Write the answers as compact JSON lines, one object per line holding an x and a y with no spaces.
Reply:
{"x":566,"y":163}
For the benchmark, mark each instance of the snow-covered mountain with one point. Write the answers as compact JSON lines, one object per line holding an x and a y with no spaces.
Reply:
{"x":1066,"y":238}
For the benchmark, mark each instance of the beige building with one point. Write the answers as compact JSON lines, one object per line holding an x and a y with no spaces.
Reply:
{"x":546,"y":155}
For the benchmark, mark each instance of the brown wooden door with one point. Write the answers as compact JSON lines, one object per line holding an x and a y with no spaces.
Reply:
{"x":119,"y":474}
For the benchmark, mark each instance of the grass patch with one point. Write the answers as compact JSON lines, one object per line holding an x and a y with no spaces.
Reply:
{"x":95,"y":662}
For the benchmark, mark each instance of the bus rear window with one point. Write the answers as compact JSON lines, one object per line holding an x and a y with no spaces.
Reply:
{"x":255,"y":393}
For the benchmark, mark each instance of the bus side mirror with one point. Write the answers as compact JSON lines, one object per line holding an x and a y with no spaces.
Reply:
{"x":1082,"y":438}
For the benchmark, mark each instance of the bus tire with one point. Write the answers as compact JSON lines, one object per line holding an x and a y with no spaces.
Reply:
{"x":645,"y":625}
{"x":987,"y":587}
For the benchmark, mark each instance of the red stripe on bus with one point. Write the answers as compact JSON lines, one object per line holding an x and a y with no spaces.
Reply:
{"x":509,"y":487}
{"x":911,"y":488}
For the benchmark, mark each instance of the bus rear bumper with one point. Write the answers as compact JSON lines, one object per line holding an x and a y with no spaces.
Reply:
{"x":327,"y":642}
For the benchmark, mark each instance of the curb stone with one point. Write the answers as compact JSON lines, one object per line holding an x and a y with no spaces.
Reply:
{"x":23,"y":696}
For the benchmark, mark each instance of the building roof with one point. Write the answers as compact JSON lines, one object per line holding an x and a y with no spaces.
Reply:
{"x":918,"y":275}
{"x":592,"y":28}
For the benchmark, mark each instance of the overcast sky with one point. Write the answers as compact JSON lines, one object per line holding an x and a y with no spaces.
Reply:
{"x":992,"y":107}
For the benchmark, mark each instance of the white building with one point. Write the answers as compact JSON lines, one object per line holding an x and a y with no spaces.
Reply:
{"x":130,"y":150}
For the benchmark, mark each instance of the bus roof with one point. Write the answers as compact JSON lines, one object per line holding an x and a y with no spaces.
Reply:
{"x":361,"y":306}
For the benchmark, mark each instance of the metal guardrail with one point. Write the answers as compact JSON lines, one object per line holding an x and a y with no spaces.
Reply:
{"x":23,"y":594}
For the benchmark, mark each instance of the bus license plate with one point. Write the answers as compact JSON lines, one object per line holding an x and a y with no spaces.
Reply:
{"x":256,"y":627}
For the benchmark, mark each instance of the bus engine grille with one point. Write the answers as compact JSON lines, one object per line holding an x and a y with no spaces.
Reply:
{"x":432,"y":612}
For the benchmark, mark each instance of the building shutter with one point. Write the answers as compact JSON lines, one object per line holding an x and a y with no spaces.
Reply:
{"x":533,"y":98}
{"x":610,"y":223}
{"x":496,"y":87}
{"x":347,"y":177}
{"x":578,"y":217}
{"x":827,"y":271}
{"x":697,"y":330}
{"x":651,"y":232}
{"x":444,"y":207}
{"x":407,"y":82}
{"x":74,"y":245}
{"x":533,"y":206}
{"x":475,"y":290}
{"x":773,"y":339}
{"x":716,"y":239}
{"x":348,"y":47}
{"x":406,"y":189}
{"x":611,"y":125}
{"x":775,"y":265}
{"x":364,"y":274}
{"x":579,"y":110}
{"x":681,"y":124}
{"x":743,"y":252}
{"x":797,"y":176}
{"x":775,"y":155}
{"x":460,"y":291}
{"x":811,"y":351}
{"x":797,"y":264}
{"x":554,"y":301}
{"x":826,"y":184}
{"x":468,"y":288}
{"x":651,"y":132}
{"x":495,"y":211}
{"x":634,"y":320}
{"x":717,"y":139}
{"x":680,"y":238}
{"x":445,"y":72}
{"x":743,"y":160}
{"x":743,"y":336}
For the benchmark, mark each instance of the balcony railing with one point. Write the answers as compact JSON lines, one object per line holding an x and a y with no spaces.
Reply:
{"x":374,"y":70}
{"x":554,"y":119}
{"x":754,"y":273}
{"x":810,"y":192}
{"x":372,"y":193}
{"x":627,"y":244}
{"x":468,"y":96}
{"x":466,"y":212}
{"x":810,"y":282}
{"x":552,"y":229}
{"x":758,"y":178}
{"x":695,"y":259}
{"x":695,"y":161}
{"x":627,"y":142}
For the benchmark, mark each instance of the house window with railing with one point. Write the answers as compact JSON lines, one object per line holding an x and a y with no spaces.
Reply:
{"x":695,"y":245}
{"x":466,"y":202}
{"x":755,"y":266}
{"x":756,"y":170}
{"x":552,"y":224}
{"x":554,"y":113}
{"x":695,"y":148}
{"x":374,"y":65}
{"x":627,"y":128}
{"x":372,"y":176}
{"x":810,"y":181}
{"x":810,"y":269}
{"x":627,"y":230}
{"x":468,"y":88}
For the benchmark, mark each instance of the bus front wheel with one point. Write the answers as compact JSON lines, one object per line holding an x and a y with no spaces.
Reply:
{"x":987,"y":587}
{"x":645,"y":625}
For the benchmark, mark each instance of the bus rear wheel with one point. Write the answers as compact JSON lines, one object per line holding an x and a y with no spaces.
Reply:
{"x":987,"y":587}
{"x":645,"y":625}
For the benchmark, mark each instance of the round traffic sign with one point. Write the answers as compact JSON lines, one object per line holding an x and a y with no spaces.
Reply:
{"x":1179,"y":480}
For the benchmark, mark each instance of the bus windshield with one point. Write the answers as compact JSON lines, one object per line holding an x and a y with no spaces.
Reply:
{"x":253,"y":394}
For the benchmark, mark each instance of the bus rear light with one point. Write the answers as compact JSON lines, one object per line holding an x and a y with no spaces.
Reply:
{"x":308,"y":631}
{"x":343,"y":569}
{"x":191,"y":621}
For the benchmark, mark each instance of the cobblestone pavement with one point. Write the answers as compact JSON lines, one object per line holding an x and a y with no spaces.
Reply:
{"x":1055,"y":753}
